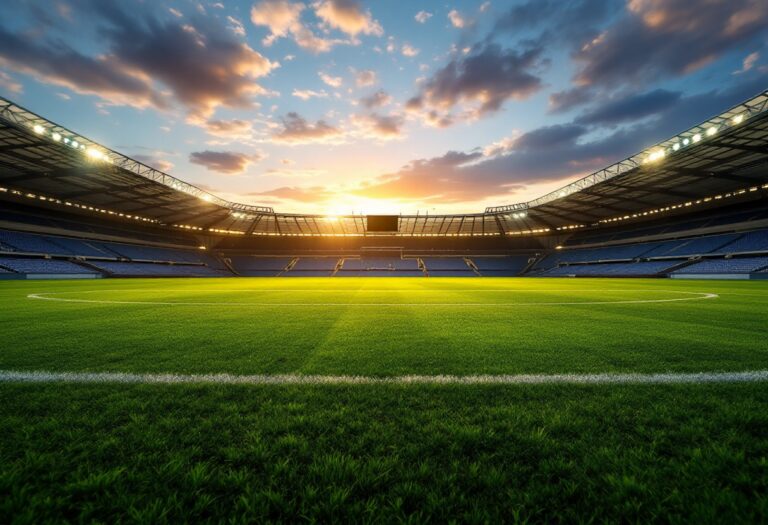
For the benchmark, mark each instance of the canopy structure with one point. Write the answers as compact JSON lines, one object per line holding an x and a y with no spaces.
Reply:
{"x":724,"y":156}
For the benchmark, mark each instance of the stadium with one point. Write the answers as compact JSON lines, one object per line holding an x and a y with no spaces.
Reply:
{"x":596,"y":354}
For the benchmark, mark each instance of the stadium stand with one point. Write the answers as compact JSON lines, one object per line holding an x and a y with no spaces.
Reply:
{"x":138,"y":269}
{"x":250,"y":266}
{"x":448,"y":267}
{"x":735,"y":265}
{"x":501,"y":266}
{"x":40,"y":266}
{"x":379,"y":267}
{"x":699,"y":209}
{"x":312,"y":267}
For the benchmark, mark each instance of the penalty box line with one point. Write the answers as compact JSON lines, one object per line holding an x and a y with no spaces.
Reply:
{"x":42,"y":376}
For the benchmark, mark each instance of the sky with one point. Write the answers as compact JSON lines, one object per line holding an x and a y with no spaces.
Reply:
{"x":346,"y":106}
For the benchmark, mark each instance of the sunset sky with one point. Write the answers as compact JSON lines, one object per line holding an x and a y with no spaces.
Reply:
{"x":340,"y":106}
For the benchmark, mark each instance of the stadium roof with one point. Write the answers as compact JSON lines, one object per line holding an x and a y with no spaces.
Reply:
{"x":725,"y":155}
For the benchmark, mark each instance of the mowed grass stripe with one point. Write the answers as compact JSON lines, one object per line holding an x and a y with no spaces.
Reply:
{"x":42,"y":376}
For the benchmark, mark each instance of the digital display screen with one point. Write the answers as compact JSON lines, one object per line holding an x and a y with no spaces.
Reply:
{"x":382,"y":223}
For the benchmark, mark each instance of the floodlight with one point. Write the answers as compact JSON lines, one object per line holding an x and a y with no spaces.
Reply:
{"x":686,"y":142}
{"x":711,"y":131}
{"x":75,"y":144}
{"x":94,"y":154}
{"x":56,"y":137}
{"x":696,"y":138}
{"x":676,"y":146}
{"x":738,"y":119}
{"x":38,"y":129}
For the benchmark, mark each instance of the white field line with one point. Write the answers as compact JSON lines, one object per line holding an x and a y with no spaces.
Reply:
{"x":693,"y":296}
{"x":11,"y":376}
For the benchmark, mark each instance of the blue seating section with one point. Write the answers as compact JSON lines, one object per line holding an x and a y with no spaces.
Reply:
{"x":501,"y":266}
{"x":55,"y":245}
{"x":134,"y":269}
{"x":31,"y":243}
{"x":259,"y":266}
{"x":307,"y":273}
{"x":316,"y":264}
{"x":151,"y":253}
{"x":750,"y":242}
{"x":444,"y":264}
{"x":710,"y":244}
{"x":702,"y":245}
{"x":43,"y":266}
{"x":380,"y":263}
{"x":635,"y":269}
{"x":380,"y":273}
{"x":726,"y":266}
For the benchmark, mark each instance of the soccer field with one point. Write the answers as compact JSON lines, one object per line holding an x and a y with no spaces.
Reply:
{"x":359,"y":438}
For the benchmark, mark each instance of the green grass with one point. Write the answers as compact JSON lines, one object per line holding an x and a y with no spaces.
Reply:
{"x":384,"y":453}
{"x":725,"y":334}
{"x":695,"y":454}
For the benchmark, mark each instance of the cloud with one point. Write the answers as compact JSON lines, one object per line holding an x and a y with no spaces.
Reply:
{"x":486,"y":78}
{"x":232,"y":129}
{"x":409,"y":51}
{"x":331,"y":81}
{"x":630,"y":108}
{"x":570,"y":21}
{"x":376,"y":100}
{"x":297,"y":130}
{"x":365,"y":77}
{"x":155,"y":162}
{"x":236,"y":26}
{"x":300,"y":194}
{"x":225,"y":162}
{"x":656,"y":38}
{"x":748,"y":63}
{"x":568,"y":99}
{"x":348,"y":16}
{"x":456,"y":19}
{"x":306,"y":94}
{"x":147,"y":61}
{"x":9,"y":84}
{"x":422,"y":17}
{"x":283,"y":18}
{"x":549,"y":154}
{"x":380,"y":127}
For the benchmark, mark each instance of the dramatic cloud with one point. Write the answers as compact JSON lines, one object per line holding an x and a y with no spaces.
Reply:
{"x":331,"y":81}
{"x":486,"y":78}
{"x":570,"y":21}
{"x":348,"y":16}
{"x":380,"y":127}
{"x":549,"y":154}
{"x":297,"y":130}
{"x":283,"y":18}
{"x":570,"y":98}
{"x":376,"y":100}
{"x":148,"y":61}
{"x":630,"y":108}
{"x":225,"y":162}
{"x":668,"y":37}
{"x":422,"y":16}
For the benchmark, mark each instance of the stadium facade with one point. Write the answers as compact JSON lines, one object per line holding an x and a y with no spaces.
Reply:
{"x":695,"y":205}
